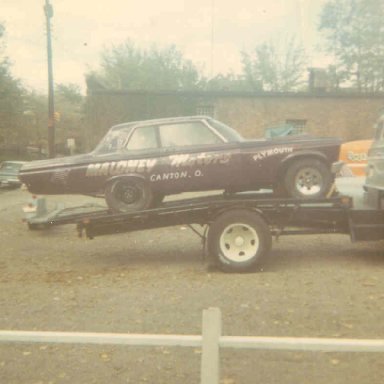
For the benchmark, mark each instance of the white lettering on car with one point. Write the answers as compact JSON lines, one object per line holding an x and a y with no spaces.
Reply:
{"x":168,"y":176}
{"x":112,"y":168}
{"x":271,"y":152}
{"x":189,"y":160}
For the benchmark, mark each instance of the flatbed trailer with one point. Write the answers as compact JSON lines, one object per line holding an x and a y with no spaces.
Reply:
{"x":237,"y":229}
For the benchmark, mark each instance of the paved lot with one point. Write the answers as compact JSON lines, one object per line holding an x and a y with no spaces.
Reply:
{"x":156,"y":282}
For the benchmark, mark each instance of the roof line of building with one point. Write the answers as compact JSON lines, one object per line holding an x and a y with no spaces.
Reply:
{"x":197,"y":93}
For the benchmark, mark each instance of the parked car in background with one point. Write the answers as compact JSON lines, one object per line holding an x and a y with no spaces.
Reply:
{"x":136,"y":164}
{"x":354,"y":154}
{"x":9,"y":174}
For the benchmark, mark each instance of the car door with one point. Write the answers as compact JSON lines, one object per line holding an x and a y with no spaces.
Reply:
{"x":144,"y":149}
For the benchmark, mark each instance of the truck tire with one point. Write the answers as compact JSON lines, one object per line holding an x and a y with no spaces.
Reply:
{"x":238,"y":240}
{"x":308,"y":179}
{"x":128,"y":194}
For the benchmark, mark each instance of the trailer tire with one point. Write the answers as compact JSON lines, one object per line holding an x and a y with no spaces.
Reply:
{"x":238,"y":240}
{"x":128,"y":194}
{"x":308,"y":179}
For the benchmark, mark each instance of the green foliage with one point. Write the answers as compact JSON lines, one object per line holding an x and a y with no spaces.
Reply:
{"x":11,"y":101}
{"x":271,"y":67}
{"x":69,"y":107}
{"x":130,"y":68}
{"x":355,"y":35}
{"x":36,"y":119}
{"x":69,"y":92}
{"x":69,"y":118}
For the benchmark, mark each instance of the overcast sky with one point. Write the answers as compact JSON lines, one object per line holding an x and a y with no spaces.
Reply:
{"x":81,"y":28}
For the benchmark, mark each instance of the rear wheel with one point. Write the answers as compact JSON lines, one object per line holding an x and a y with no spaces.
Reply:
{"x":308,"y":178}
{"x":128,"y":195}
{"x":238,"y":240}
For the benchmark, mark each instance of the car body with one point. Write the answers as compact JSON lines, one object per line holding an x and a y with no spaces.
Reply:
{"x":146,"y":160}
{"x":375,"y":168}
{"x":9,"y":174}
{"x":355,"y":155}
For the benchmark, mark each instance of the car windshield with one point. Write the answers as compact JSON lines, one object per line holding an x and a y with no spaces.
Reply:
{"x":113,"y":141}
{"x":230,"y":134}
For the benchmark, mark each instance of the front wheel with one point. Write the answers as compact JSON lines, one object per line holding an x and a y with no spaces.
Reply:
{"x":308,"y":179}
{"x":128,"y":195}
{"x":238,"y":240}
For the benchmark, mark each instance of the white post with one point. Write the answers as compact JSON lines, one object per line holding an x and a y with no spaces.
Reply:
{"x":210,"y":364}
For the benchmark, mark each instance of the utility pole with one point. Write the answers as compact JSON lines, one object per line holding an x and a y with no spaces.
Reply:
{"x":212,"y":36}
{"x":48,"y":10}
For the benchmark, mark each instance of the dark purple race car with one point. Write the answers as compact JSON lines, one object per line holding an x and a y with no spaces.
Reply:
{"x":136,"y":164}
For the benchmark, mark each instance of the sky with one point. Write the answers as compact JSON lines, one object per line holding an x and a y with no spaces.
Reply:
{"x":211,"y":33}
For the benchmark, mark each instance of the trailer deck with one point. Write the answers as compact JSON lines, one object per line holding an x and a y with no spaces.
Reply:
{"x":234,"y":224}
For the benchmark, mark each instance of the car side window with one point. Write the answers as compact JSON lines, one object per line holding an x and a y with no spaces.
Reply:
{"x":143,"y":138}
{"x":183,"y":134}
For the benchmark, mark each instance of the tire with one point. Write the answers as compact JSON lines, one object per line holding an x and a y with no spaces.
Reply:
{"x":128,"y":195}
{"x":238,"y":240}
{"x":308,"y":179}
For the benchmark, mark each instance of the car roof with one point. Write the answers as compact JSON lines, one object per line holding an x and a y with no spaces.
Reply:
{"x":160,"y":121}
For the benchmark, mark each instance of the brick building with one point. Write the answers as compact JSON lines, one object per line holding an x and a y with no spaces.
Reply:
{"x":349,"y":116}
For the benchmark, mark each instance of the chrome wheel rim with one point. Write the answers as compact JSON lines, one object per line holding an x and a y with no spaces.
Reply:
{"x":239,"y":242}
{"x":308,"y":181}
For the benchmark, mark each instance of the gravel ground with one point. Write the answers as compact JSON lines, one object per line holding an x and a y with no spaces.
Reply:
{"x":156,"y":282}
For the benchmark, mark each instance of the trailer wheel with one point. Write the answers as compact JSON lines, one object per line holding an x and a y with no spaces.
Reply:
{"x":238,"y":240}
{"x":128,"y":195}
{"x":308,"y":178}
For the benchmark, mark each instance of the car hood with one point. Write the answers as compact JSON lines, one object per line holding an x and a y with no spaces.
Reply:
{"x":55,"y":163}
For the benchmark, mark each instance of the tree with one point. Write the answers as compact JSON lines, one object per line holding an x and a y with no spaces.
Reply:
{"x":127,"y":67}
{"x":36,"y":121}
{"x":69,"y":115}
{"x":69,"y":92}
{"x":355,"y":36}
{"x":69,"y":118}
{"x":11,"y":101}
{"x":271,"y":67}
